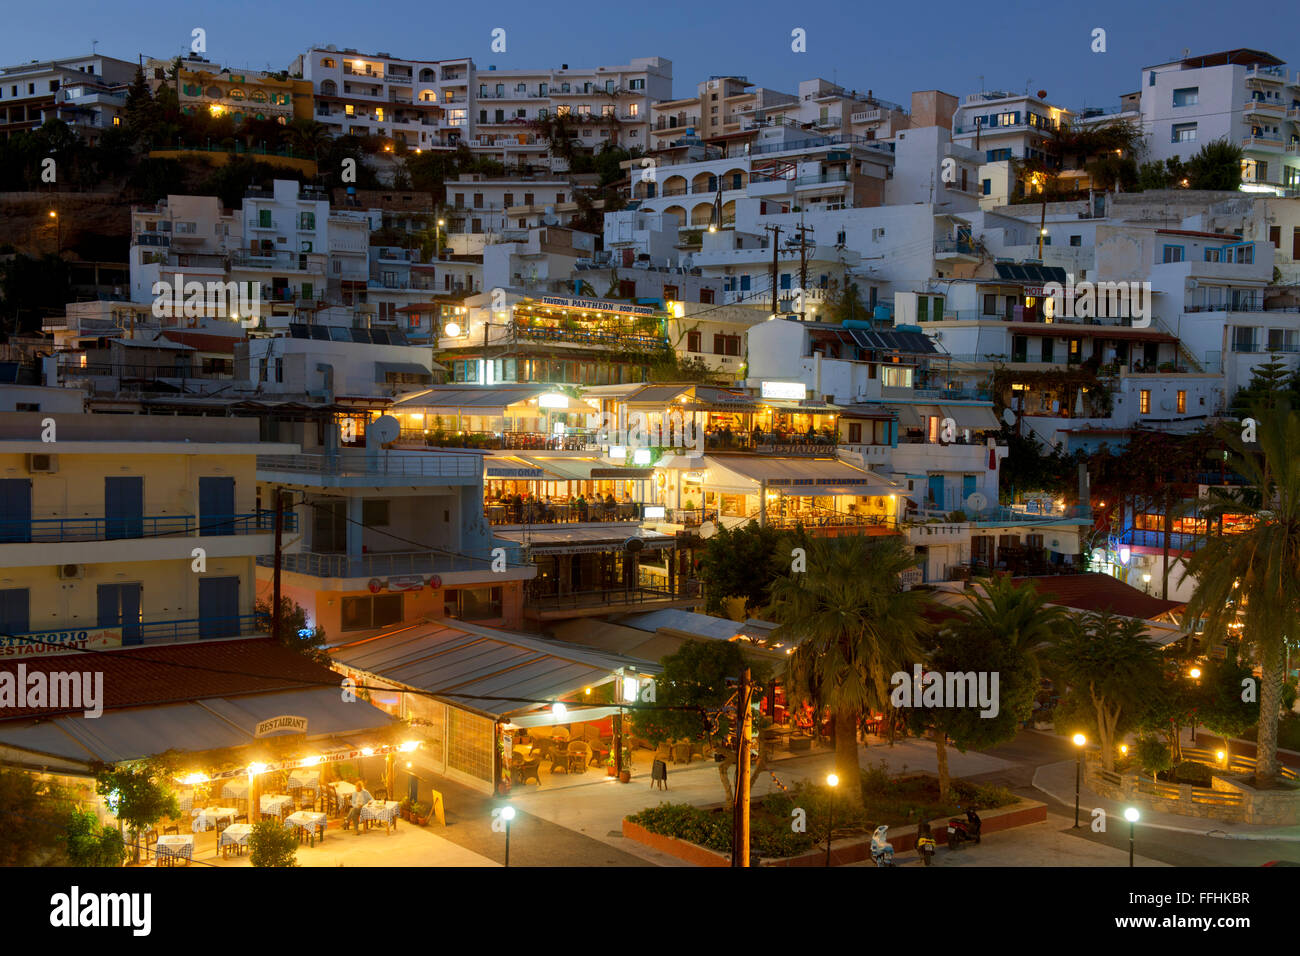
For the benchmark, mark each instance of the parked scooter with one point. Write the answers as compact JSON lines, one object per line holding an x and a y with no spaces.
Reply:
{"x":925,"y":843}
{"x":964,"y":831}
{"x":882,"y":853}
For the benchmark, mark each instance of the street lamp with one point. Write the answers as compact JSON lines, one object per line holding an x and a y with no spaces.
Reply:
{"x":1079,"y":741}
{"x":58,"y":231}
{"x":832,"y":781}
{"x":507,"y":814}
{"x":437,"y":239}
{"x":1131,"y":815}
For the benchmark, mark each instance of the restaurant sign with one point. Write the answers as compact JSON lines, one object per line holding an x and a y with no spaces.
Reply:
{"x":622,"y":472}
{"x":49,"y":643}
{"x":522,"y":473}
{"x":410,"y":582}
{"x":275,"y":725}
{"x":598,"y":305}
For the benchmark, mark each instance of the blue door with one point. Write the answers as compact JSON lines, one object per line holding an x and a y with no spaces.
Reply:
{"x":15,"y":509}
{"x":124,"y":507}
{"x":14,"y":614}
{"x":218,"y":607}
{"x":119,"y":606}
{"x":216,"y":505}
{"x":967,"y":487}
{"x":935,"y":493}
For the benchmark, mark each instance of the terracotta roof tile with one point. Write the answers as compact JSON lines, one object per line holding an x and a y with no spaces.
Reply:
{"x":1100,"y":592}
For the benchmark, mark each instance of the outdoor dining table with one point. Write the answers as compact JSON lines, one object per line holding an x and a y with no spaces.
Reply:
{"x":275,"y":803}
{"x":173,"y":847}
{"x":343,"y":791}
{"x":307,"y":824}
{"x":381,"y":811}
{"x":236,"y":835}
{"x":185,"y":800}
{"x":304,"y":780}
{"x":210,"y":818}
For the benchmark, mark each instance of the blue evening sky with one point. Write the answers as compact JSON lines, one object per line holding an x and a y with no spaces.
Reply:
{"x":890,"y":48}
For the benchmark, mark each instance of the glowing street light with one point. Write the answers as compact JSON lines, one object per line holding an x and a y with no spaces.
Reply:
{"x":832,"y":781}
{"x":1079,"y":741}
{"x":507,"y":814}
{"x":1131,"y":815}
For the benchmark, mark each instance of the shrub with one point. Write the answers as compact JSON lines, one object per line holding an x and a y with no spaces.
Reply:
{"x":1152,"y":755}
{"x":88,"y":842}
{"x":1193,"y":772}
{"x":272,"y":844}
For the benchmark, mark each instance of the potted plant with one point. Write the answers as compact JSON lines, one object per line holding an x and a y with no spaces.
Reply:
{"x":420,"y":813}
{"x":609,"y":765}
{"x":625,"y":775}
{"x":404,"y":810}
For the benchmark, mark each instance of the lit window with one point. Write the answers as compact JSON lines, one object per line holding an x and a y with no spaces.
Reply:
{"x":1144,"y":401}
{"x":1182,"y":403}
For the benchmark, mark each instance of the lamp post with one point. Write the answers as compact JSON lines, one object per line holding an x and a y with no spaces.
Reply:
{"x":1194,"y":674}
{"x":1131,"y":815}
{"x":58,"y":231}
{"x":507,"y":814}
{"x":832,"y":781}
{"x":437,"y":239}
{"x":1079,"y":741}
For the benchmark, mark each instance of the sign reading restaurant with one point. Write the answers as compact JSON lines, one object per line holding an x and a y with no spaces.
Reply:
{"x":295,"y":725}
{"x":598,"y":305}
{"x":60,"y":642}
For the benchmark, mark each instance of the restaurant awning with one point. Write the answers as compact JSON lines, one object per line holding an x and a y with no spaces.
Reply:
{"x":681,"y":462}
{"x":974,"y":417}
{"x":794,"y":476}
{"x":485,"y":669}
{"x":405,"y":368}
{"x":566,"y":540}
{"x":563,"y":469}
{"x":791,"y":405}
{"x":909,"y":416}
{"x":466,"y":400}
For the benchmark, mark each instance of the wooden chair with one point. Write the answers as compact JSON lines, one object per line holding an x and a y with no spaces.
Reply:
{"x":579,"y":753}
{"x":529,"y":769}
{"x":172,"y":829}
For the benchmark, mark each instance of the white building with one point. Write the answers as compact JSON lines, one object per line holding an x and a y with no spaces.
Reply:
{"x":1247,"y":97}
{"x":86,"y":92}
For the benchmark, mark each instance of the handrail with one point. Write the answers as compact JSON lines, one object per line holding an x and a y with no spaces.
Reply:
{"x":381,"y":564}
{"x":26,"y":530}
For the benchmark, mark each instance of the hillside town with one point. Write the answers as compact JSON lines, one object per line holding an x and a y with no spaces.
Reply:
{"x":439,"y":449}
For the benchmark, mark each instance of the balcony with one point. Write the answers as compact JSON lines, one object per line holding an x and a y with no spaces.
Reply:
{"x":1269,"y":143}
{"x":545,"y":600}
{"x":956,"y":249}
{"x":151,"y":632}
{"x":1141,"y":538}
{"x":384,"y":564}
{"x":31,"y":530}
{"x":360,"y":469}
{"x":279,"y":261}
{"x":270,"y":225}
{"x":867,"y":116}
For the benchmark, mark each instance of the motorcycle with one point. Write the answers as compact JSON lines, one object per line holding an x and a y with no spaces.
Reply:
{"x":964,"y":831}
{"x":882,"y":853}
{"x":925,"y":843}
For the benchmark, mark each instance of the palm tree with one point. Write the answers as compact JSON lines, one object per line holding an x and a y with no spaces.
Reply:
{"x":1017,"y":614}
{"x":1250,"y":581}
{"x":307,"y":137}
{"x":856,"y":627}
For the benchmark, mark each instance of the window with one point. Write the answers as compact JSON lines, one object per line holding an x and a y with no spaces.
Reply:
{"x":1187,"y":96}
{"x":1182,"y":402}
{"x":693,"y":341}
{"x":374,"y":512}
{"x":990,"y":305}
{"x":1076,"y":241}
{"x":1048,"y":344}
{"x":328,"y":63}
{"x":636,"y":84}
{"x":1144,"y":401}
{"x":1173,"y":254}
{"x":896,"y":376}
{"x":473,"y":604}
{"x":1183,"y":133}
{"x":726,"y":344}
{"x":373,"y":610}
{"x":307,"y":220}
{"x":855,"y":433}
{"x":986,"y":186}
{"x":634,"y":110}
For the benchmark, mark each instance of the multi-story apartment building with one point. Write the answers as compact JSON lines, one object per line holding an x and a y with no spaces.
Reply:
{"x":129,"y":529}
{"x":478,"y":204}
{"x":1247,"y":97}
{"x":423,"y":104}
{"x":205,"y":87}
{"x":1006,"y":128}
{"x":86,"y":92}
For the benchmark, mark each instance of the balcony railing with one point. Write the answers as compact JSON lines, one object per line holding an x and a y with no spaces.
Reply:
{"x":955,"y":246}
{"x":150,"y":632}
{"x":584,"y":337}
{"x":384,"y":564}
{"x":1143,"y":538}
{"x":362,"y":465}
{"x":23,"y":530}
{"x":569,"y":512}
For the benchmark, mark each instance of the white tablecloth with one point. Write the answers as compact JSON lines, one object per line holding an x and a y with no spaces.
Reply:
{"x":174,"y":845}
{"x":207,"y":819}
{"x":276,"y":803}
{"x":306,"y":779}
{"x":236,"y":788}
{"x":384,"y":811}
{"x":306,"y":818}
{"x":237,"y":834}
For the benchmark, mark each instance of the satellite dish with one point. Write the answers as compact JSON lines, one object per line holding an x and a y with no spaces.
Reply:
{"x":633,"y":545}
{"x":1008,"y":416}
{"x":382,"y":430}
{"x":707,"y":530}
{"x":977,"y":501}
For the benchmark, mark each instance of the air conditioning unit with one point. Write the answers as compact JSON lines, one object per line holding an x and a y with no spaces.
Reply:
{"x":68,"y":572}
{"x":40,"y":464}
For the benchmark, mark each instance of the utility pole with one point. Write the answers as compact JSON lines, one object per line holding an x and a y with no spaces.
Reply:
{"x":740,"y":814}
{"x":803,"y":268}
{"x":275,"y":573}
{"x":1042,"y":220}
{"x":776,"y":236}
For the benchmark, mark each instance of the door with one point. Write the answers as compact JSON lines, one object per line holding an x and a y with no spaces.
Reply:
{"x":218,"y":607}
{"x":935,"y":492}
{"x":119,"y":606}
{"x":124,"y":507}
{"x":15,"y":509}
{"x":329,"y":526}
{"x":217,"y":505}
{"x":14,"y":614}
{"x":967,"y":487}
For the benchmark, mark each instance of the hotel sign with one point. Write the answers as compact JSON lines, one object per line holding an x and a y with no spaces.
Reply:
{"x":598,"y":305}
{"x":294,"y":725}
{"x":50,"y":643}
{"x":796,"y":391}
